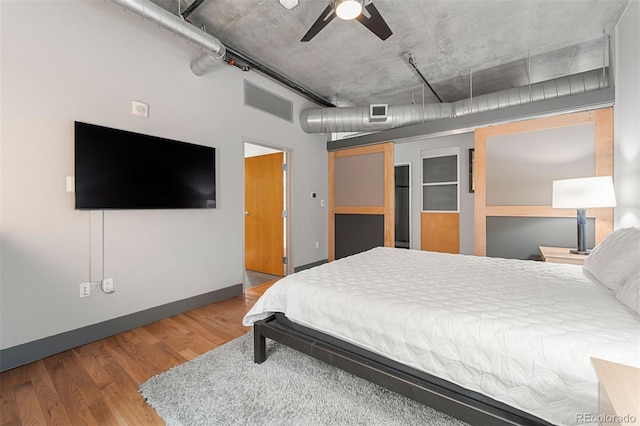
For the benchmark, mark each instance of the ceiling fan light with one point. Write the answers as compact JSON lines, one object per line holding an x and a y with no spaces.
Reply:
{"x":348,"y":9}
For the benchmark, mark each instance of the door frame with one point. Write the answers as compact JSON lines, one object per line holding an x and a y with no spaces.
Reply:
{"x":288,"y":205}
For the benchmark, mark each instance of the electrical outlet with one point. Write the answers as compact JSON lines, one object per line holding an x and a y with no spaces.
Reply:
{"x":85,"y":289}
{"x":317,"y":244}
{"x":107,"y":285}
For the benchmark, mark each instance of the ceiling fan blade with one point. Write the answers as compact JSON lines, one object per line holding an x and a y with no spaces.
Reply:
{"x":375,"y":23}
{"x":327,"y":16}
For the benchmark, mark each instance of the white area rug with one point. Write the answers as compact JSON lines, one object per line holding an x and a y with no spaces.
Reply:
{"x":225,"y":387}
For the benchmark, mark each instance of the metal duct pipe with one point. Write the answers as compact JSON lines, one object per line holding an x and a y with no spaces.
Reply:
{"x":214,"y":50}
{"x":356,"y":119}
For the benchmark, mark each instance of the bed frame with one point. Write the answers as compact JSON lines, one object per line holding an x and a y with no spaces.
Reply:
{"x":432,"y":391}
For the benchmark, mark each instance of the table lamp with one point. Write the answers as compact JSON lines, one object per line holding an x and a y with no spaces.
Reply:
{"x":581,"y":194}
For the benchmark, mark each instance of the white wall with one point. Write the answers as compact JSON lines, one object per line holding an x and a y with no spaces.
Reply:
{"x":410,"y":152}
{"x":627,"y":117}
{"x":86,"y":61}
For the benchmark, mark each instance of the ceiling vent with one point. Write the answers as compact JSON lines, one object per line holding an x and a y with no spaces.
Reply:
{"x":378,"y":112}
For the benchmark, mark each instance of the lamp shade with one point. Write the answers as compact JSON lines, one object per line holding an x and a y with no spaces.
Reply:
{"x":584,"y":193}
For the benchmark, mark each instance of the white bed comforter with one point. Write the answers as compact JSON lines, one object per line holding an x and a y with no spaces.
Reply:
{"x":520,"y":332}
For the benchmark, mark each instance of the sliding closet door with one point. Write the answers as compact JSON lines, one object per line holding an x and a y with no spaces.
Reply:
{"x":515,"y":165}
{"x":361,"y":199}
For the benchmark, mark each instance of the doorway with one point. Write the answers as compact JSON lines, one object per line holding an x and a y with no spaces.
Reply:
{"x":265,"y":214}
{"x":402,"y":189}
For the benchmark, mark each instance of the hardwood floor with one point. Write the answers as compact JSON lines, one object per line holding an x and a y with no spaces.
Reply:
{"x":97,"y":384}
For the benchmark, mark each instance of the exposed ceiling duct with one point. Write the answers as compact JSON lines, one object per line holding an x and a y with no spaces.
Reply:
{"x":214,"y":50}
{"x":357,"y":119}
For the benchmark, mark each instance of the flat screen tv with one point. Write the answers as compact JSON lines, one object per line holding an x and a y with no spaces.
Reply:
{"x":116,"y":169}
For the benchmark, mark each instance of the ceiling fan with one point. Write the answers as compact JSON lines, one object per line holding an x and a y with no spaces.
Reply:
{"x":351,"y":9}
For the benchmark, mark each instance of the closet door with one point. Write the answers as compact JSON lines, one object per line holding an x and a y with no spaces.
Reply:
{"x":515,"y":166}
{"x":361,"y":199}
{"x":440,"y":216}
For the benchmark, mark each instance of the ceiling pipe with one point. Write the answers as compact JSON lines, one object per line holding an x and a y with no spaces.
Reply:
{"x":356,"y":119}
{"x":214,"y":50}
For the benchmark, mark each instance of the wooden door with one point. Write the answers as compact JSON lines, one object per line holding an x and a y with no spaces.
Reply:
{"x":263,"y":221}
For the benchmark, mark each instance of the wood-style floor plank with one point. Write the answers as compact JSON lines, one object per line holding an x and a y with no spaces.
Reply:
{"x":28,"y":405}
{"x":8,"y":407}
{"x":75,"y":406}
{"x":50,"y":403}
{"x":97,"y":384}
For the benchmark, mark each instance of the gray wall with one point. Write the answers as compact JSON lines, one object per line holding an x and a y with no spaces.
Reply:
{"x":627,"y":117}
{"x":410,"y":152}
{"x":86,"y":61}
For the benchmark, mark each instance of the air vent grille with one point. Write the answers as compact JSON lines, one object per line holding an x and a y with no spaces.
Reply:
{"x":259,"y":98}
{"x":378,"y":112}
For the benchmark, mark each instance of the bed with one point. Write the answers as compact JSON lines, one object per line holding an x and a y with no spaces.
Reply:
{"x":488,"y":340}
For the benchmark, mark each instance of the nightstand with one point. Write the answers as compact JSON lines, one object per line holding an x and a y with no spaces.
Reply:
{"x":561,"y":255}
{"x":618,"y":393}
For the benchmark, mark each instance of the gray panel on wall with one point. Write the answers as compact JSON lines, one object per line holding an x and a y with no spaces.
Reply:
{"x":522,"y":166}
{"x":440,"y":198}
{"x":356,"y":233}
{"x":259,"y":98}
{"x":359,"y":180}
{"x":440,"y":169}
{"x":519,"y":237}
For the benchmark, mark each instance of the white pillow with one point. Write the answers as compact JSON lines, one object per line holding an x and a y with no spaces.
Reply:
{"x":629,"y":293}
{"x":616,"y":258}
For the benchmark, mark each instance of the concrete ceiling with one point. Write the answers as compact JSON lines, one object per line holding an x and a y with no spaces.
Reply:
{"x":503,"y":43}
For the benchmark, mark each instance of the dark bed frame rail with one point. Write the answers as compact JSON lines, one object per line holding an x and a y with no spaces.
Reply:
{"x":434,"y":392}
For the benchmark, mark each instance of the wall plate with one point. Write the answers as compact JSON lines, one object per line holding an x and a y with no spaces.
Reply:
{"x":107,"y":285}
{"x":139,"y":108}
